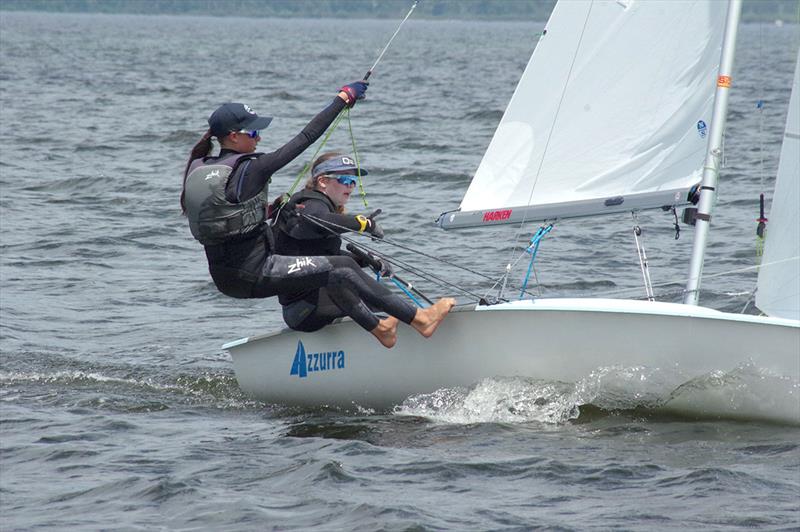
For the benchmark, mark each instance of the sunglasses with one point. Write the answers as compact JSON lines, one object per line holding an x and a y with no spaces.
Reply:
{"x":345,"y":180}
{"x":252,"y":134}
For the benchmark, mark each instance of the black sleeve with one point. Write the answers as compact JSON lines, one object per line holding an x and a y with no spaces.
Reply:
{"x":251,"y":177}
{"x":360,"y":261}
{"x":339,"y":223}
{"x":314,"y":214}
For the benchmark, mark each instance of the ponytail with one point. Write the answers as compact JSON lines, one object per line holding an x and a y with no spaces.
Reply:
{"x":201,"y":149}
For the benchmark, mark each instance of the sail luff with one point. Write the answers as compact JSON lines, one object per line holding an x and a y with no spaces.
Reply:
{"x":713,"y":154}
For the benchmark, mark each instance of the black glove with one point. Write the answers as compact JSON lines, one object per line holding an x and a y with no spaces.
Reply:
{"x":375,"y":229}
{"x":355,"y":91}
{"x":274,"y":208}
{"x":382,"y":267}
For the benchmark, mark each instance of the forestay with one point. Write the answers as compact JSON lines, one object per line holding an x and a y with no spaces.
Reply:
{"x":610,"y":114}
{"x":778,"y":291}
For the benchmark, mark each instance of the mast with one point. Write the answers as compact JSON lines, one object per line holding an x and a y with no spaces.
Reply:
{"x":711,"y":168}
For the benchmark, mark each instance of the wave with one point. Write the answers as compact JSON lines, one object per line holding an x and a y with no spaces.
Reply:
{"x":127,"y":393}
{"x":746,"y":393}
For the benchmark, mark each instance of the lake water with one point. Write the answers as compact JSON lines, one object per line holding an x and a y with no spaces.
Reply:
{"x":119,"y":408}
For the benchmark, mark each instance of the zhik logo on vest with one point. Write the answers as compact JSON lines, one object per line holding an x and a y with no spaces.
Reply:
{"x":305,"y":363}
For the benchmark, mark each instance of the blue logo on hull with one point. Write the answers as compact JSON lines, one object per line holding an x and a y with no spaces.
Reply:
{"x":305,"y":363}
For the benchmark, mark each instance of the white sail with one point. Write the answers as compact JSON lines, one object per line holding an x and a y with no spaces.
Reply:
{"x":607,"y":117}
{"x":779,"y":277}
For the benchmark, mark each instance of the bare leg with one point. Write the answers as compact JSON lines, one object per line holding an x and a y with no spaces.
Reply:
{"x":386,"y":331}
{"x":427,"y":319}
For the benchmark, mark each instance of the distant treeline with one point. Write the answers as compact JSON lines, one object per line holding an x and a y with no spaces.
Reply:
{"x":752,"y":10}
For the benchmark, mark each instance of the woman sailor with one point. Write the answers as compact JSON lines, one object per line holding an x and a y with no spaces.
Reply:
{"x":310,"y":224}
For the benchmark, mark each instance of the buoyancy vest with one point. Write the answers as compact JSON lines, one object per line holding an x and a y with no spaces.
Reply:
{"x":299,"y":236}
{"x":212,"y":218}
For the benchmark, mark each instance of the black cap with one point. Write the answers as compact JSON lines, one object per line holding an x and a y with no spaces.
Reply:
{"x":234,"y":117}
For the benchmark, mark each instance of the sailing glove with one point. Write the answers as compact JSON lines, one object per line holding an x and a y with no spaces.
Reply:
{"x":383,"y":268}
{"x":374,"y":229}
{"x":355,"y":91}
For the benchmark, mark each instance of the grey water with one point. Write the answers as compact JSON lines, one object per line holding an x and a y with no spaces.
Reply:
{"x":118,"y":407}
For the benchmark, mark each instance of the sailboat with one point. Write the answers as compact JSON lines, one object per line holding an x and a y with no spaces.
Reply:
{"x":625,"y":122}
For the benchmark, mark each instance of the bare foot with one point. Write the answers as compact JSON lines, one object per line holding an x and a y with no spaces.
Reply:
{"x":386,"y":331}
{"x":427,"y":319}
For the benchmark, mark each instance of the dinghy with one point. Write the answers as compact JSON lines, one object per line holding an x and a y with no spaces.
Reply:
{"x":625,"y":122}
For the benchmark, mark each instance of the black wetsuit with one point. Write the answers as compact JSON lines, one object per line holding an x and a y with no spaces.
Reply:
{"x":245,"y":266}
{"x":354,"y":292}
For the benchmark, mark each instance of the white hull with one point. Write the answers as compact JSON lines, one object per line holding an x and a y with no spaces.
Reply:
{"x":552,"y":340}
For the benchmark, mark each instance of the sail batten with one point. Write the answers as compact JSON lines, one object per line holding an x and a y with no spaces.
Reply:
{"x":618,"y":107}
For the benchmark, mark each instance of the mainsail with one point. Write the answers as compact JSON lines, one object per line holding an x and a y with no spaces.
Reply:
{"x":610,"y":114}
{"x":778,"y":292}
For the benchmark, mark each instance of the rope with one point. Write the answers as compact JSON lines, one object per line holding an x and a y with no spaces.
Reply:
{"x":328,"y":226}
{"x":533,"y":249}
{"x":761,"y":226}
{"x":509,"y":267}
{"x":307,"y":166}
{"x":369,"y":72}
{"x":643,"y":264}
{"x":749,"y":300}
{"x":358,"y":163}
{"x":344,"y":112}
{"x":407,"y":292}
{"x":552,"y":126}
{"x":682,"y":281}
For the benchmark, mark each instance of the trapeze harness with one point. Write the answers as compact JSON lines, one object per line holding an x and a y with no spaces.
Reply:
{"x":213,"y":219}
{"x":238,"y":242}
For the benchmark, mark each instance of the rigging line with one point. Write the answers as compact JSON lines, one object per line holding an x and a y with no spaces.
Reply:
{"x":406,"y":265}
{"x":439,"y":259}
{"x":760,"y":105}
{"x":644,"y":265}
{"x":682,"y":281}
{"x":307,"y":166}
{"x":533,"y":249}
{"x":328,"y":226}
{"x":509,"y":267}
{"x":358,"y":163}
{"x":425,"y":275}
{"x":369,"y":72}
{"x":346,"y":111}
{"x":553,"y":124}
{"x":750,"y":299}
{"x":432,"y":278}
